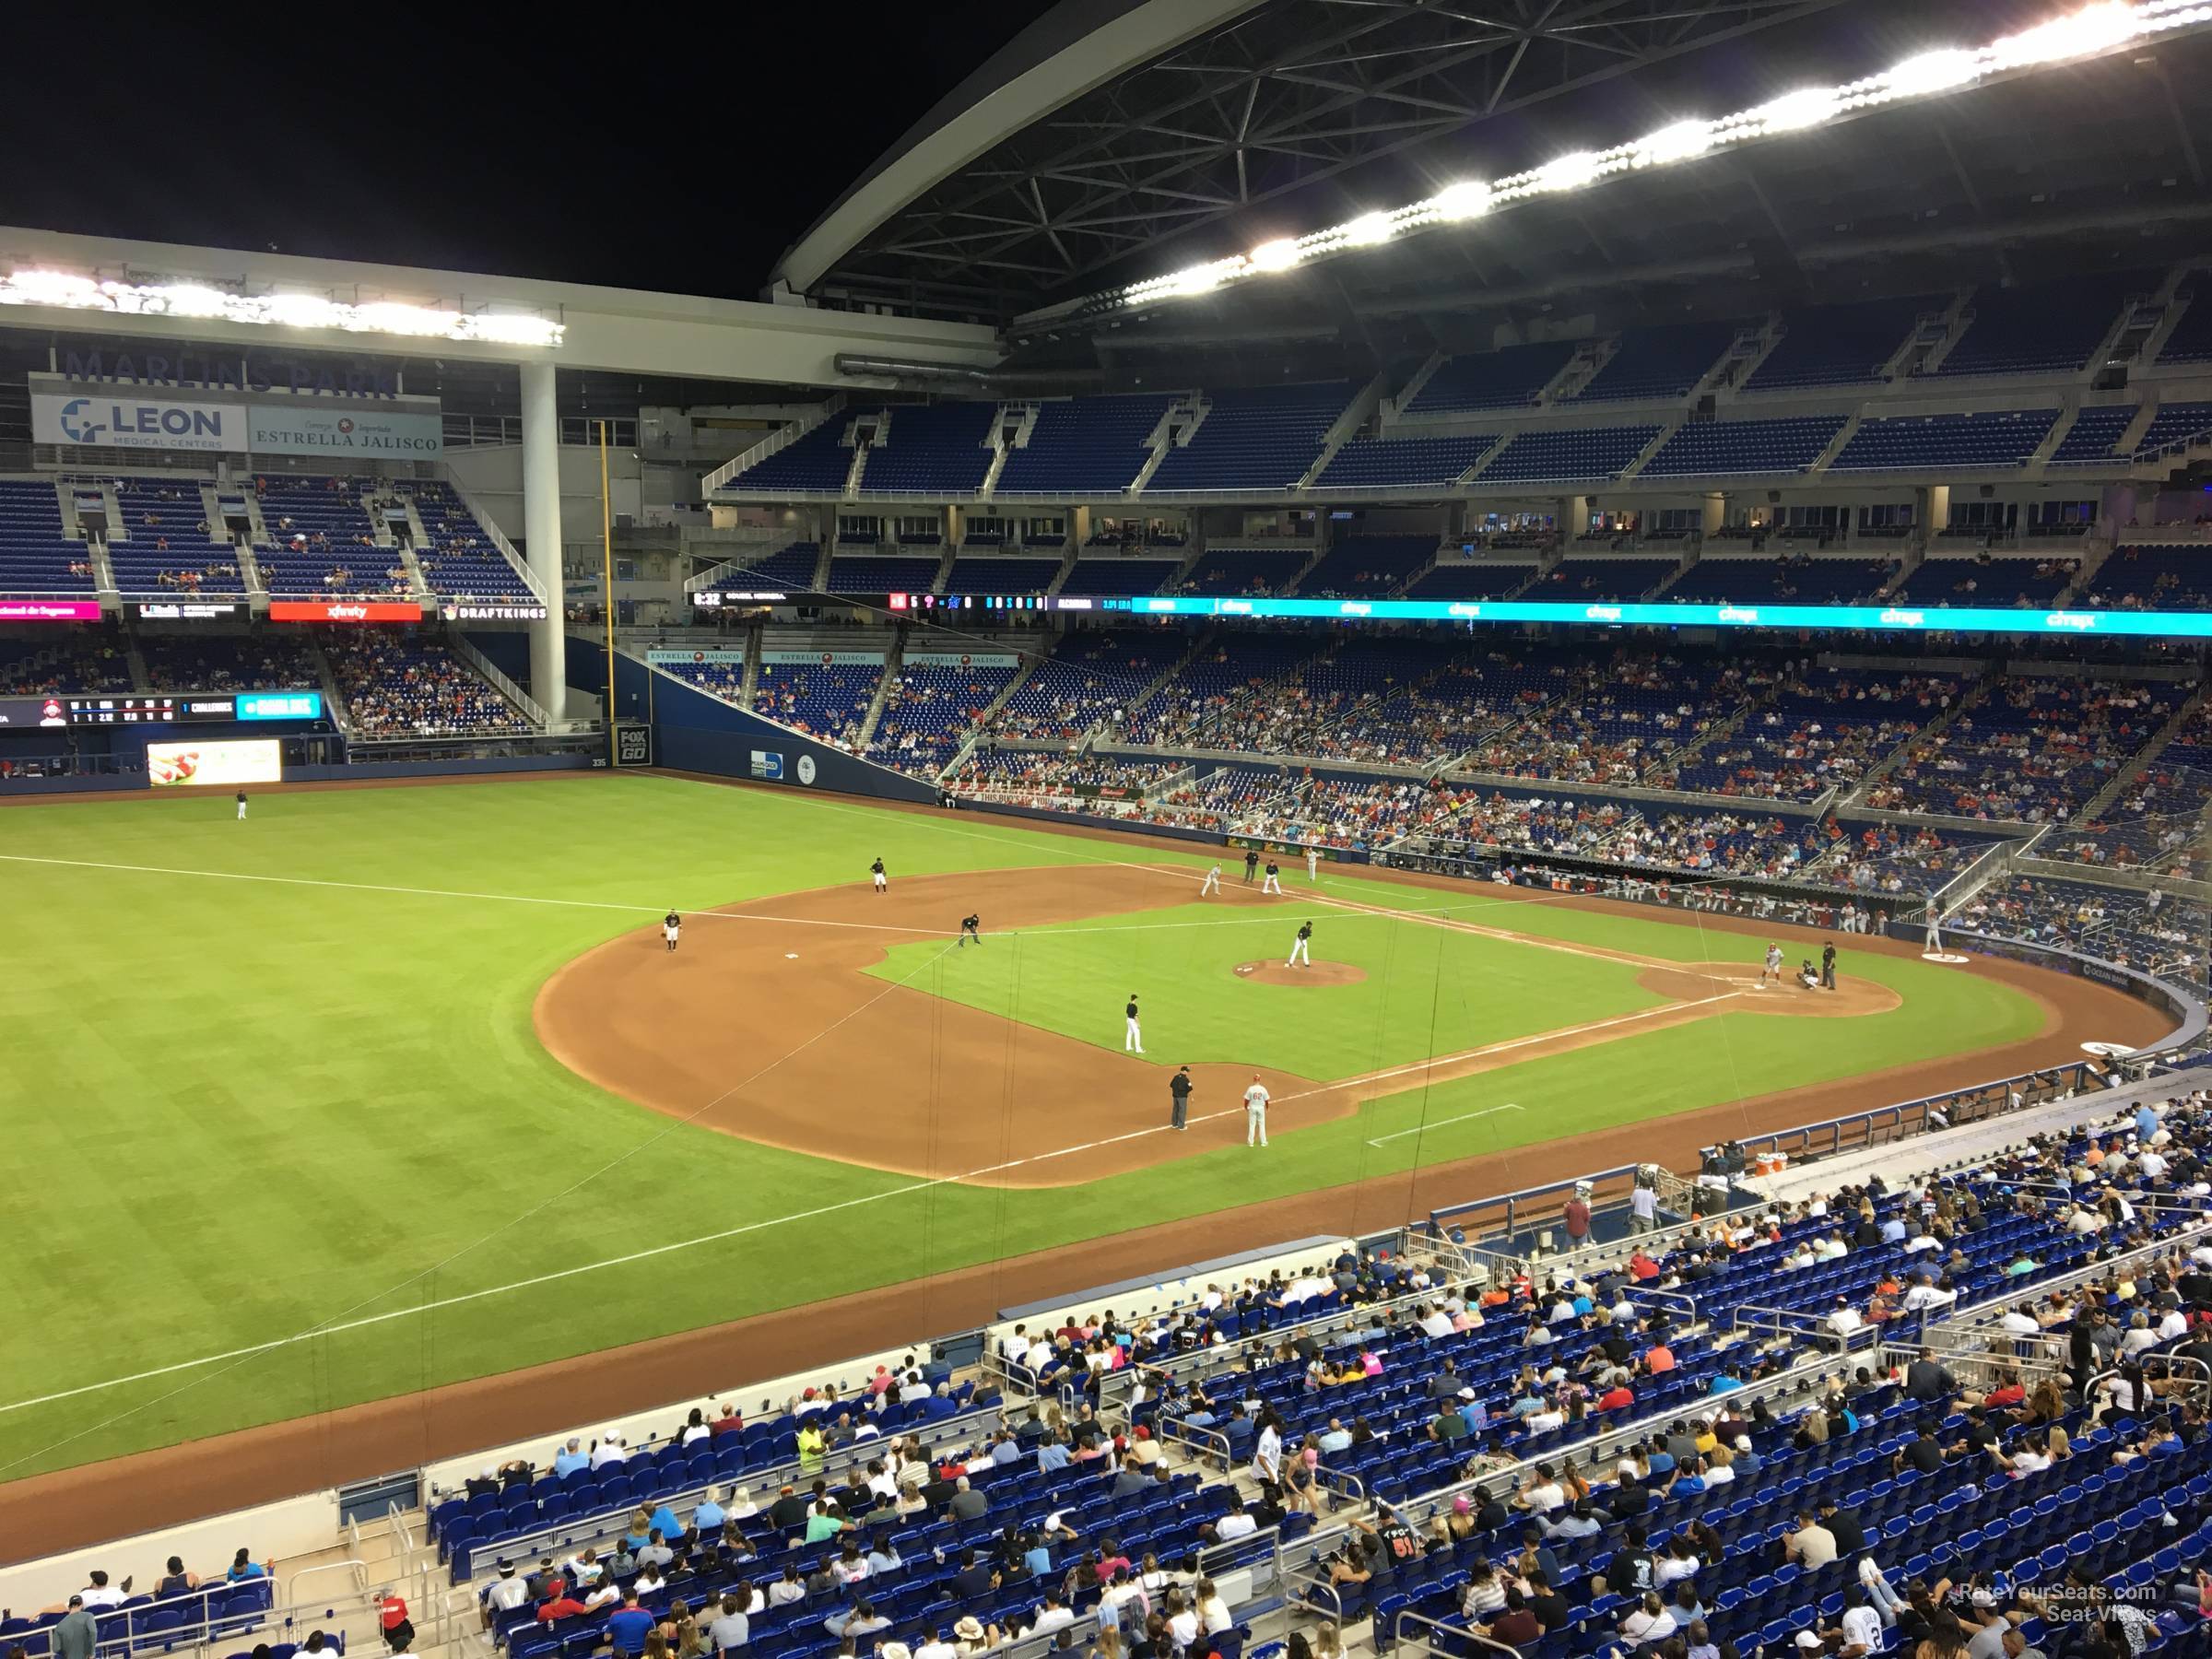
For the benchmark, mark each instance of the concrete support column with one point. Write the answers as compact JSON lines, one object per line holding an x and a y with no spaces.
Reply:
{"x":541,"y":530}
{"x":1716,"y":511}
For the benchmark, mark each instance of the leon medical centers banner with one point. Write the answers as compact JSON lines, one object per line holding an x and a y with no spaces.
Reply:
{"x":127,"y":417}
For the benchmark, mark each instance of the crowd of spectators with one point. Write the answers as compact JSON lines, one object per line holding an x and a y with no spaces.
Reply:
{"x":399,"y":685}
{"x":2033,"y":751}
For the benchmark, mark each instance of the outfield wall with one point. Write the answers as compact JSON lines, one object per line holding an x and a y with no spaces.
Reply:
{"x":694,"y":730}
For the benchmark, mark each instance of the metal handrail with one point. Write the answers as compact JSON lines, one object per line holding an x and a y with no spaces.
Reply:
{"x":1457,"y":1632}
{"x":351,"y":1564}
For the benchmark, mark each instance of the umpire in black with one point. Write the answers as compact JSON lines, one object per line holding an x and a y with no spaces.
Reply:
{"x":1828,"y":966}
{"x":1179,"y":1087}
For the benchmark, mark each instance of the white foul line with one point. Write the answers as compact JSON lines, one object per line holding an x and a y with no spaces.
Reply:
{"x":1441,"y":1123}
{"x":418,"y":892}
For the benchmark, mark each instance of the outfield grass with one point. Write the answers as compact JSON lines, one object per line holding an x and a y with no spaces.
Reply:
{"x":246,"y":1109}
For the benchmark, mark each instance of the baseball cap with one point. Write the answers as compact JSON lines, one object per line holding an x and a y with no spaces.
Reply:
{"x":1460,"y":1506}
{"x":1809,"y":1641}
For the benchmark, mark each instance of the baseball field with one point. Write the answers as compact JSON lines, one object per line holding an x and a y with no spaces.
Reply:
{"x":398,"y":1089}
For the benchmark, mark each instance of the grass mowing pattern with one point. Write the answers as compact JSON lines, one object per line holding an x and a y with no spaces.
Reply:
{"x":243,"y":1109}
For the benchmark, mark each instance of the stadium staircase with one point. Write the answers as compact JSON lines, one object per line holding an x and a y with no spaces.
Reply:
{"x":332,"y":698}
{"x":1580,"y":371}
{"x":1031,"y":660}
{"x":1955,"y":319}
{"x":2098,"y":804}
{"x":498,"y":539}
{"x":1395,"y":406}
{"x":751,"y":683}
{"x":1342,"y":431}
{"x":1667,"y":429}
{"x":1068,"y":555}
{"x":1844,"y":434}
{"x":488,"y":672}
{"x":2054,"y":437}
{"x":1935,"y":728}
{"x":781,"y":438}
{"x":1184,"y":417}
{"x":891,"y":660}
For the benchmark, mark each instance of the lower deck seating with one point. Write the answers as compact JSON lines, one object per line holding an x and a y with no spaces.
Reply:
{"x":396,"y":684}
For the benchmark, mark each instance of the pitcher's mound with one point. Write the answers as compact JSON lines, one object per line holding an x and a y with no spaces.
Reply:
{"x":1273,"y":972}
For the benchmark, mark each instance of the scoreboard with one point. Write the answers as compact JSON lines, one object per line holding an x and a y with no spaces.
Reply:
{"x":183,"y":707}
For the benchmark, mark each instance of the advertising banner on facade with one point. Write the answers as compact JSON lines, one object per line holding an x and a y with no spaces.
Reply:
{"x":661,"y":659}
{"x":363,"y":431}
{"x":343,"y":610}
{"x":221,"y":764}
{"x":49,"y":610}
{"x":136,"y":420}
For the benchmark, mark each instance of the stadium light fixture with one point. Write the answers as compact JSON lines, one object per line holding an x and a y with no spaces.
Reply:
{"x":1466,"y":200}
{"x":2083,"y":33}
{"x":74,"y":292}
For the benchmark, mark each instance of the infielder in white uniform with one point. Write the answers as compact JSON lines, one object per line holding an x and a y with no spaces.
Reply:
{"x":1299,"y":951}
{"x":1255,"y":1113}
{"x":1935,"y":941}
{"x":670,"y":926}
{"x":1773,"y":968}
{"x":1133,"y":1036}
{"x":883,"y":882}
{"x":1274,"y":884}
{"x":1312,"y":863}
{"x":1213,"y":882}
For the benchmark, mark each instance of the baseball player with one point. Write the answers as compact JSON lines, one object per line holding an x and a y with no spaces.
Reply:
{"x":1274,"y":884}
{"x":1773,"y":968}
{"x":1252,"y":863}
{"x":1179,"y":1092}
{"x":671,"y":924}
{"x":883,"y":882}
{"x":1255,"y":1113}
{"x":1934,"y":940}
{"x":1312,"y":863}
{"x":241,"y":805}
{"x":1133,"y":1036}
{"x":1213,"y":882}
{"x":1300,"y":953}
{"x":969,"y":924}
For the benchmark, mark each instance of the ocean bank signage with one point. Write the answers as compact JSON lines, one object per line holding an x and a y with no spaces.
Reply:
{"x":1868,"y":619}
{"x":70,"y":416}
{"x":136,"y":420}
{"x":312,"y":429}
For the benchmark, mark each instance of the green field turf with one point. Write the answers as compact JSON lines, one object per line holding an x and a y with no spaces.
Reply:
{"x":311,"y":1101}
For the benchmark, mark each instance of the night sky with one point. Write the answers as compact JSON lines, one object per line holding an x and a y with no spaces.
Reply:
{"x":683,"y":156}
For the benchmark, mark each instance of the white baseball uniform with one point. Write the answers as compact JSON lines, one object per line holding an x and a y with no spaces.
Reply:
{"x":668,"y":930}
{"x":1272,"y":885}
{"x":1255,"y":1114}
{"x":1299,"y":952}
{"x":1935,"y":941}
{"x":1213,"y":882}
{"x":1133,"y":1037}
{"x":1312,"y":863}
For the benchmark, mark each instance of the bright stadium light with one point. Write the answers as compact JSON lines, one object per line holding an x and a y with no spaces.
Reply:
{"x":193,"y":299}
{"x":1568,"y":172}
{"x":1932,"y":72}
{"x":2095,"y":29}
{"x":1466,"y":200}
{"x":1794,"y":112}
{"x":1676,"y":143}
{"x":2085,"y":33}
{"x":199,"y":300}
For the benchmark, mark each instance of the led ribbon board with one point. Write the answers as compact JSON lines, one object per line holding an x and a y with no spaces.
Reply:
{"x":1874,"y":618}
